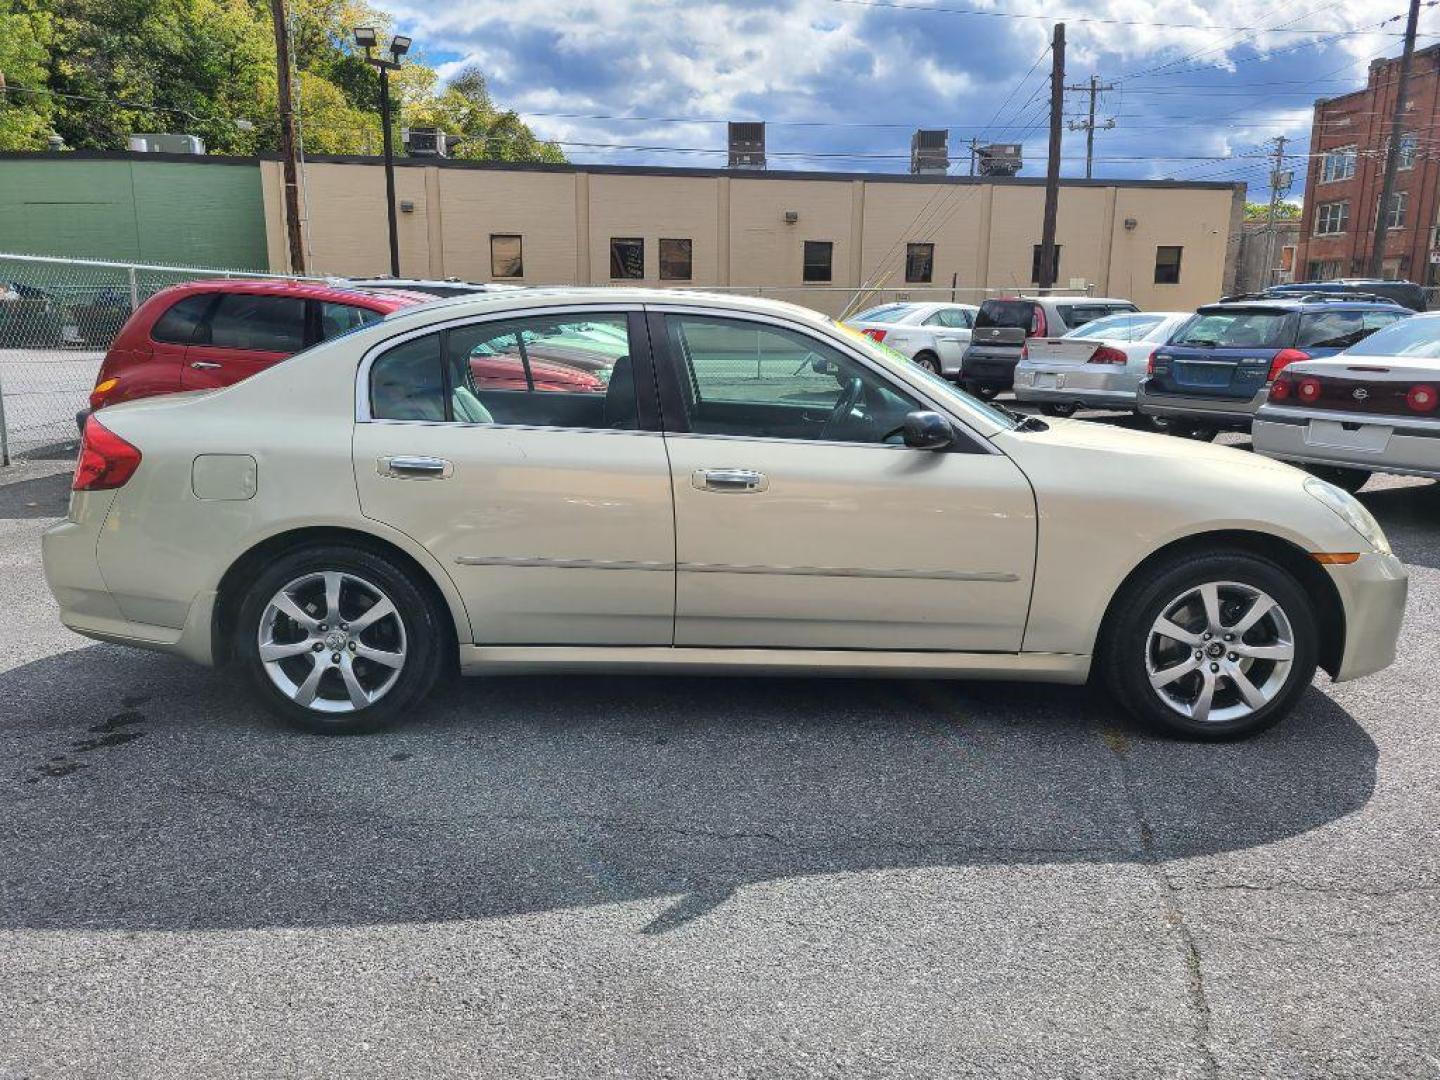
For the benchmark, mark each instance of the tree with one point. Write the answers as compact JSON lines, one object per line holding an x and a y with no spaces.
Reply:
{"x":1284,"y":211}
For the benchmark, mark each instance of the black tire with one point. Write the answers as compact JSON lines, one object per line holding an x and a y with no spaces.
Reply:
{"x":1351,"y":480}
{"x":1198,"y":432}
{"x":415,"y":614}
{"x":1126,"y":644}
{"x":1059,"y":410}
{"x":986,"y":393}
{"x":927,"y":360}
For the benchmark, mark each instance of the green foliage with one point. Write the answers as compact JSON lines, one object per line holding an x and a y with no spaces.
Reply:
{"x":1284,"y":211}
{"x":97,"y":71}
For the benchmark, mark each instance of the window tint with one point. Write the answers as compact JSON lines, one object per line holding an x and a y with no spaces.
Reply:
{"x":627,"y":257}
{"x":551,"y":371}
{"x":1118,"y":327}
{"x":675,"y":262}
{"x":337,"y":319}
{"x":259,"y":323}
{"x":1235,"y":330}
{"x":818,"y":255}
{"x":506,"y":256}
{"x":919,"y":263}
{"x":405,"y":382}
{"x":1014,"y":314}
{"x":1167,"y":265}
{"x":178,"y":325}
{"x":752,"y":379}
{"x":1080,"y":314}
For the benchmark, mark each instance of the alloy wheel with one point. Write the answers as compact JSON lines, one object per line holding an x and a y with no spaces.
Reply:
{"x":332,"y":642}
{"x":1219,"y":652}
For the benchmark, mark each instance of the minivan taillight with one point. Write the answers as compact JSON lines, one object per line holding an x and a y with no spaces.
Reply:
{"x":1037,"y":322}
{"x":1107,"y":354}
{"x":106,"y":460}
{"x":1283,"y":359}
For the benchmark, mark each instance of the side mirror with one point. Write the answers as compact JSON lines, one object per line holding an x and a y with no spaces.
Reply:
{"x":821,"y":366}
{"x":928,"y":431}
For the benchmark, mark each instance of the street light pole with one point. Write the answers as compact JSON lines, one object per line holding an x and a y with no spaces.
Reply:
{"x":366,"y":38}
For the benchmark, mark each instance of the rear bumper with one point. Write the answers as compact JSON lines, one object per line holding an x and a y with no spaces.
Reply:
{"x":1373,"y":592}
{"x":989,"y":369}
{"x":81,"y":417}
{"x":1412,"y":448}
{"x":1235,"y":413}
{"x":1073,"y":383}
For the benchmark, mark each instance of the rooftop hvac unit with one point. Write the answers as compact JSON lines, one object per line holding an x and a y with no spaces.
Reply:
{"x":998,"y":159}
{"x":425,"y":142}
{"x":167,"y":144}
{"x":930,"y":152}
{"x":747,"y":145}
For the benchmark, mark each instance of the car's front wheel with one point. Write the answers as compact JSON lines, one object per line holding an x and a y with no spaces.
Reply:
{"x":1216,"y":647}
{"x":1067,"y":409}
{"x":338,"y":640}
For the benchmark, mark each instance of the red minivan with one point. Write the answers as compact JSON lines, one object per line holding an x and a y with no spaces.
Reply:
{"x":207,"y":334}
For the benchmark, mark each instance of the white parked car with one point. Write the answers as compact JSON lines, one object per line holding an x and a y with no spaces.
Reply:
{"x":932,"y":335}
{"x":750,"y":488}
{"x":1095,"y":366}
{"x":1373,"y":408}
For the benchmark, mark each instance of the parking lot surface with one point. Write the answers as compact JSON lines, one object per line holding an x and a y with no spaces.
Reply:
{"x":681,"y":877}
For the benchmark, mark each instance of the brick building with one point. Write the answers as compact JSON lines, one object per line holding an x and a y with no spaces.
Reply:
{"x":1347,"y":167}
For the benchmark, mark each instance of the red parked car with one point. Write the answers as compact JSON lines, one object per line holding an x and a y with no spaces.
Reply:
{"x":208,"y":334}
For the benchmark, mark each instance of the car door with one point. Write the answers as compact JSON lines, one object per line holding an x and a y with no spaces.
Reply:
{"x":244,"y":334}
{"x":803,"y":521}
{"x":951,"y":327}
{"x":546,"y":498}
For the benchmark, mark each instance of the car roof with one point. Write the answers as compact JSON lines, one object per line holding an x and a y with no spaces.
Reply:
{"x":1303,"y":305}
{"x":386,"y":301}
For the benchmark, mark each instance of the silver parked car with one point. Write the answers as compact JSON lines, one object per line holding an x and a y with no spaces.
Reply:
{"x":1373,"y":408}
{"x":1004,"y":324}
{"x":1097,"y":366}
{"x":933,"y":335}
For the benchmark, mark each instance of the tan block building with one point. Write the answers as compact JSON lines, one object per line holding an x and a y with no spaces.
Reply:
{"x":814,"y":238}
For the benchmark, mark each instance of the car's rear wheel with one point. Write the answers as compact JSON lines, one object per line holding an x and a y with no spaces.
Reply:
{"x":1351,"y":480}
{"x":980,"y":390}
{"x":1211,"y":648}
{"x":1059,"y":410}
{"x":338,"y":640}
{"x":927,"y":360}
{"x":1198,"y":432}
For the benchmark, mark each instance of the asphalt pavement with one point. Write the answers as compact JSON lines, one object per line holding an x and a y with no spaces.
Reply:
{"x":681,"y":877}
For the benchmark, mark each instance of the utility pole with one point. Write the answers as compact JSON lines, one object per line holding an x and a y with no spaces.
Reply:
{"x":974,"y":149}
{"x":1392,"y":152}
{"x":1280,"y":180}
{"x":287,"y":137}
{"x":1094,"y":89}
{"x":1048,"y":267}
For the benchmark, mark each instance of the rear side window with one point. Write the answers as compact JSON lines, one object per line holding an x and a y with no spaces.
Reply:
{"x":337,"y":319}
{"x":953,"y":318}
{"x":1010,"y":314}
{"x":259,"y":323}
{"x":1080,"y":314}
{"x":406,"y":382}
{"x":178,"y":325}
{"x":1235,"y":329}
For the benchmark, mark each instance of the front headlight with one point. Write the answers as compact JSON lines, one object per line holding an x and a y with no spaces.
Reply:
{"x":1351,"y":511}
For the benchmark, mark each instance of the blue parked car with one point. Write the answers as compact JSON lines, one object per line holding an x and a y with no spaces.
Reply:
{"x":1216,"y":369}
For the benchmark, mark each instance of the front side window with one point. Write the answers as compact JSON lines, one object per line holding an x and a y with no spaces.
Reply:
{"x":337,"y":319}
{"x":675,"y":261}
{"x":506,"y":256}
{"x":627,"y":258}
{"x":762,"y":381}
{"x":818,"y":255}
{"x":950,"y":318}
{"x":178,"y":326}
{"x":1167,"y":265}
{"x":919,"y":263}
{"x":1332,"y":218}
{"x":258,"y":323}
{"x":1339,"y":164}
{"x":1035,"y":263}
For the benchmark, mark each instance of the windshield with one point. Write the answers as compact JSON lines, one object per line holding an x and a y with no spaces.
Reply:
{"x":1234,"y":329}
{"x":1118,"y":327}
{"x":942,"y":388}
{"x":1417,"y":336}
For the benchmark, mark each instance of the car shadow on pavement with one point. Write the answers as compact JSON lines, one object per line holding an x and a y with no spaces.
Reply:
{"x":1410,"y":516}
{"x":146,"y":794}
{"x":38,"y":497}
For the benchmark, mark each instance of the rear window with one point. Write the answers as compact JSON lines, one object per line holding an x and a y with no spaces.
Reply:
{"x":1235,"y":329}
{"x":1011,"y":314}
{"x":1417,"y":337}
{"x":1080,"y":314}
{"x":178,"y":325}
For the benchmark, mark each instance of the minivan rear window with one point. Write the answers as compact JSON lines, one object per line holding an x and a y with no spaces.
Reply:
{"x":1235,"y":329}
{"x":1012,"y":314}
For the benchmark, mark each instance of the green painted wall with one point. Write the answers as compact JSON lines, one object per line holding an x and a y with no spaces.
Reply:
{"x":202,"y":214}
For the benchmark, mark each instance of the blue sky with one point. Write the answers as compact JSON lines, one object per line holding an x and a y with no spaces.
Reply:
{"x":848,"y":80}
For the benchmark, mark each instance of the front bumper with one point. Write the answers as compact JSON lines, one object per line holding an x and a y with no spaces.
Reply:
{"x":1372,"y":591}
{"x":1349,"y":440}
{"x":1237,"y":413}
{"x":1072,"y":383}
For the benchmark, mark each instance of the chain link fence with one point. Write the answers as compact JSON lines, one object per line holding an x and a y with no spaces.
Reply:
{"x":57,"y":318}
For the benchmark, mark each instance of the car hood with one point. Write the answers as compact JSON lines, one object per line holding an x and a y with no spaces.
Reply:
{"x":1086,"y":437}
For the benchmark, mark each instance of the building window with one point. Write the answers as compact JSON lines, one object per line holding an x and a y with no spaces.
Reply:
{"x":1332,"y":218}
{"x":1167,"y":265}
{"x":1339,"y":164}
{"x":675,"y":260}
{"x":919,"y":263}
{"x":818,"y":257}
{"x":505,"y":259}
{"x":1322,"y":269}
{"x":1406,"y":155}
{"x":627,"y":257}
{"x":1395,"y":213}
{"x":1035,"y":264}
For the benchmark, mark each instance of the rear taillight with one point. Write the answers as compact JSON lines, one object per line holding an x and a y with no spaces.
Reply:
{"x":1283,"y":359}
{"x":1107,"y":354}
{"x":1150,"y":364}
{"x":1037,"y":322}
{"x":1309,"y":390}
{"x":1281,"y":389}
{"x":106,"y":460}
{"x":873,"y":333}
{"x":1024,"y":352}
{"x":1423,"y":398}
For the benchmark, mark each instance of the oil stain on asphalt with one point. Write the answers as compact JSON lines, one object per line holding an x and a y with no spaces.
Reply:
{"x":115,"y":730}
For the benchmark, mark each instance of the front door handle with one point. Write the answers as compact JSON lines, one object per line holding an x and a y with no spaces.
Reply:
{"x":407,"y":467}
{"x":729,"y":481}
{"x":204,"y":365}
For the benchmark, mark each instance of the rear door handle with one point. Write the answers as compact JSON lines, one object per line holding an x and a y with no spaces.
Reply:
{"x":729,"y":481}
{"x":204,"y":365}
{"x":408,"y":467}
